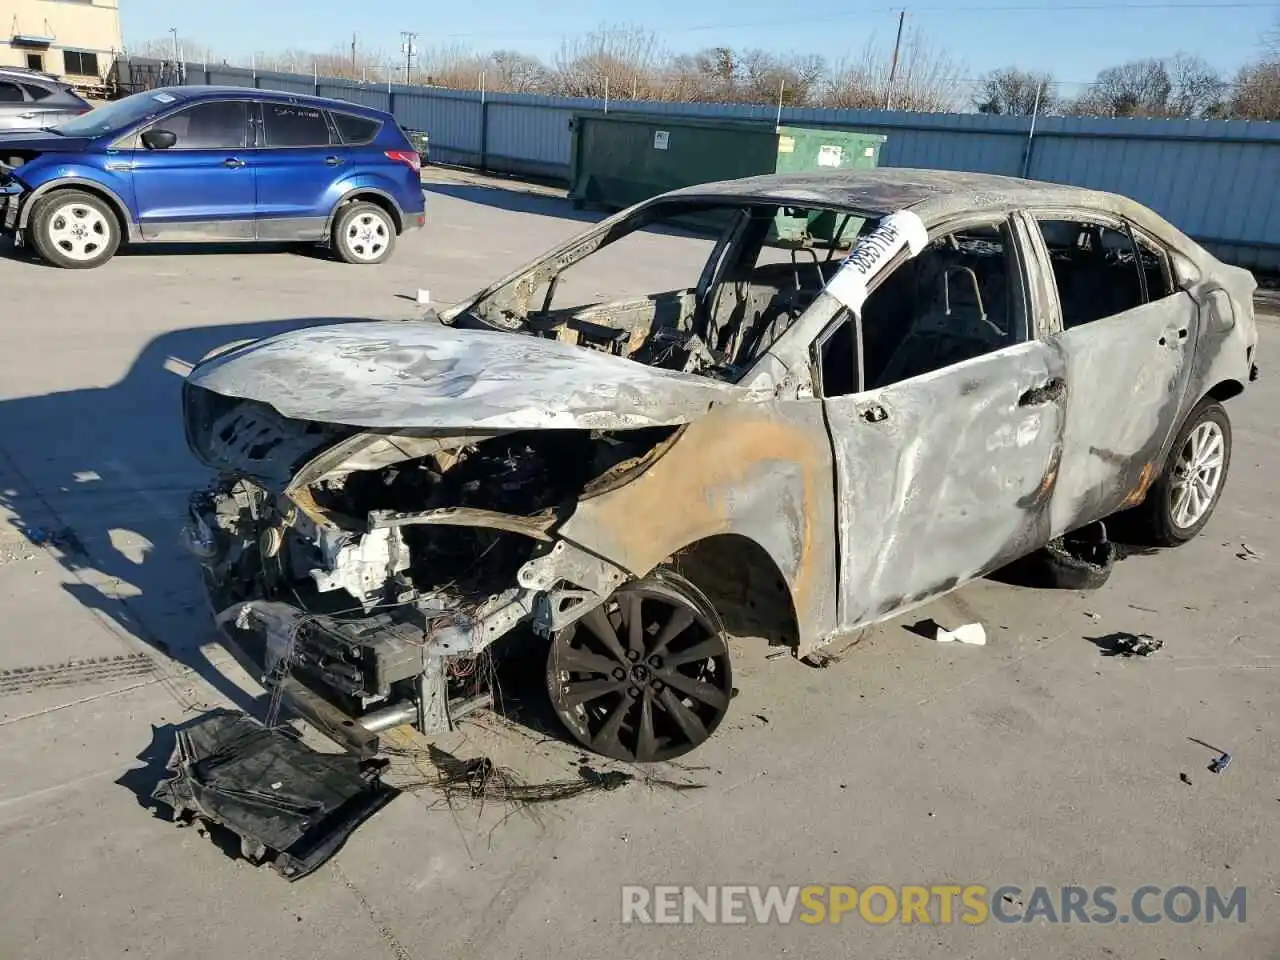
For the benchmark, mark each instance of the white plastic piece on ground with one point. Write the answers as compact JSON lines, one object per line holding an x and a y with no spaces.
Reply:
{"x":974,"y":634}
{"x":424,"y":298}
{"x":877,"y":248}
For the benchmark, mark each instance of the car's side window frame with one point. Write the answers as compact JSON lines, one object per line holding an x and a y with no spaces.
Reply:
{"x":260,"y":127}
{"x":133,"y":140}
{"x":1024,"y":328}
{"x":1140,"y":238}
{"x":1109,"y":221}
{"x":340,"y":140}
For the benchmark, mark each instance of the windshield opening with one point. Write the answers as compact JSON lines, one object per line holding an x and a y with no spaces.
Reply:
{"x":704,"y":287}
{"x":116,"y":116}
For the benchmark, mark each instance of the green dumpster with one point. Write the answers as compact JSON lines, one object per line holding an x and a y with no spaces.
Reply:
{"x":621,"y":159}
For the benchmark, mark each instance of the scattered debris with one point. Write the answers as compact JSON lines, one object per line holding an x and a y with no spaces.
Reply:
{"x":64,"y":538}
{"x":1134,"y":606}
{"x":424,"y":297}
{"x":819,"y":660}
{"x":479,"y":778}
{"x":1220,"y":764}
{"x":1127,"y":645}
{"x":1081,"y":560}
{"x":315,"y":803}
{"x":1248,"y":553}
{"x":973,"y":634}
{"x":1093,"y":616}
{"x":1185,"y":779}
{"x":762,"y":718}
{"x":779,"y":655}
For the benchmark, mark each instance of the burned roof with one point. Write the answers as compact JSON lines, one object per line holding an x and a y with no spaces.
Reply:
{"x":887,"y":190}
{"x":934,"y":195}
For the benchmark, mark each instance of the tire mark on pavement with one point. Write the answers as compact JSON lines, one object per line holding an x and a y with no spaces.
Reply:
{"x":74,"y":673}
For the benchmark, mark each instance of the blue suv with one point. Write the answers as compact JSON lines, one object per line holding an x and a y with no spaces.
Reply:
{"x":194,"y":164}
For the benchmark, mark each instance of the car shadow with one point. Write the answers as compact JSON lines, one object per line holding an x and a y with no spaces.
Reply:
{"x":516,"y":200}
{"x":313,"y":251}
{"x":100,"y":477}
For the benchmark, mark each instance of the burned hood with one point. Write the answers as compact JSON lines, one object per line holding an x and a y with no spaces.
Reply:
{"x":386,"y":375}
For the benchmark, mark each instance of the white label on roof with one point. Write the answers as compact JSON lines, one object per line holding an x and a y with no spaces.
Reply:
{"x":164,"y":97}
{"x":869,"y":152}
{"x":661,"y":138}
{"x":786,"y":144}
{"x":830,"y":155}
{"x":873,"y":252}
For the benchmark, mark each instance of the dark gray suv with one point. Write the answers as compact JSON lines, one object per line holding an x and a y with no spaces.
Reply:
{"x":31,"y":100}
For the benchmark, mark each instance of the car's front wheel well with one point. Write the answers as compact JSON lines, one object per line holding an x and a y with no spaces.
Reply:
{"x":378,"y":200}
{"x":1226,"y":390}
{"x":744,"y":584}
{"x":121,"y":217}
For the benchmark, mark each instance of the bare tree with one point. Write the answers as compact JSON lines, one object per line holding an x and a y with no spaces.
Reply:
{"x":1197,"y":88}
{"x":517,"y":72}
{"x":1257,"y":92}
{"x":1139,"y":88}
{"x":612,"y":60}
{"x":796,"y":79}
{"x":161,"y":48}
{"x":1015,"y":92}
{"x":708,"y":75}
{"x":924,"y":79}
{"x":1178,"y":86}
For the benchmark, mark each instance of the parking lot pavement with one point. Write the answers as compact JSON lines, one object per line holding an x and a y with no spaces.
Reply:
{"x":1036,"y":760}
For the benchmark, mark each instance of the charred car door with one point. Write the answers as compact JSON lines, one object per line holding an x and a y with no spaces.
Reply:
{"x":1124,"y":331}
{"x":946,"y":416}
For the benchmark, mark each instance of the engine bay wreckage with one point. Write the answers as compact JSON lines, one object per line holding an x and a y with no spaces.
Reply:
{"x":632,"y":483}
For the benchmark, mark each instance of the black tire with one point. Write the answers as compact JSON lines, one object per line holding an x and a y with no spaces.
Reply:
{"x":64,"y":210}
{"x":363,"y":233}
{"x":1155,"y":522}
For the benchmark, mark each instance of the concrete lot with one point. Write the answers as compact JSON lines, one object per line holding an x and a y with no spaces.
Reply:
{"x":1036,"y":760}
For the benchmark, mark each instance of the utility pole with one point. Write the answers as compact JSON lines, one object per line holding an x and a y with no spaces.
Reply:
{"x":409,"y":50}
{"x":353,"y":51}
{"x":893,"y":64}
{"x":174,"y":31}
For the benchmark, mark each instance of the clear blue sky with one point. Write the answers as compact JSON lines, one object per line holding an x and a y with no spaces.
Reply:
{"x":1071,"y":43}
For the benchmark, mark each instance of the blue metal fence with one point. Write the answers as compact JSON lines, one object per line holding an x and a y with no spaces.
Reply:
{"x":1215,"y":179}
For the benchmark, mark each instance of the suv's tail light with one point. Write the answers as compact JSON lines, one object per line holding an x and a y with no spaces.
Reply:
{"x":406,"y":156}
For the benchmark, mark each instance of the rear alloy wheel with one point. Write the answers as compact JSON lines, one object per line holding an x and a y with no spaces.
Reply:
{"x":364,"y":233}
{"x":74,"y":230}
{"x":644,"y":677}
{"x":1180,"y":503}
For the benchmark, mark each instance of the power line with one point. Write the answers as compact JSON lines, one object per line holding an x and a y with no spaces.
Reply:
{"x":951,"y":9}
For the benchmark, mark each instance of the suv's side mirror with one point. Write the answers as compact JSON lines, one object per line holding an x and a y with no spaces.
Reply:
{"x":159,"y":139}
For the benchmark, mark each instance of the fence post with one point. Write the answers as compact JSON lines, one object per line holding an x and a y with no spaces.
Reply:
{"x":484,"y":125}
{"x":1031,"y":133}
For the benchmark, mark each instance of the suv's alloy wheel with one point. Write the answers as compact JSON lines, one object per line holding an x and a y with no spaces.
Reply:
{"x":74,"y":230}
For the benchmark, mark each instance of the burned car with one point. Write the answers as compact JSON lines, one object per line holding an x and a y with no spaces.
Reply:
{"x":883,"y":385}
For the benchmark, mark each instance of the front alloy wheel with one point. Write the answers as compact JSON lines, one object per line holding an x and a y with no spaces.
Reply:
{"x":644,"y":677}
{"x":74,"y":230}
